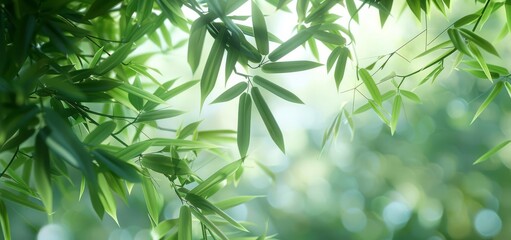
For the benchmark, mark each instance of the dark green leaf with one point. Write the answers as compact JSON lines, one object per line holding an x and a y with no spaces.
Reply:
{"x":210,"y":74}
{"x":230,"y":62}
{"x":42,"y":173}
{"x":479,"y":41}
{"x":415,"y":6}
{"x":100,"y":8}
{"x":113,"y":60}
{"x":276,"y":89}
{"x":4,"y":221}
{"x":244,"y":116}
{"x":480,"y":59}
{"x":458,"y":41}
{"x":153,"y":199}
{"x":320,"y":11}
{"x":291,"y":66}
{"x":468,"y":19}
{"x":196,"y":42}
{"x":117,"y":166}
{"x":268,"y":119}
{"x":340,"y":67}
{"x":231,"y":93}
{"x":188,"y":130}
{"x":141,"y":93}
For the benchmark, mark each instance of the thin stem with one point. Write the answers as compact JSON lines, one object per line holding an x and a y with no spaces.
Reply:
{"x":10,"y":162}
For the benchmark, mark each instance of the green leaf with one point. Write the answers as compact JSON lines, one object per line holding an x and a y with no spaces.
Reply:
{"x":113,"y":60}
{"x":479,"y":41}
{"x":491,"y":152}
{"x":377,"y":109}
{"x":267,"y":171}
{"x":230,"y":62}
{"x":468,"y":19}
{"x":157,"y":115}
{"x":244,"y":117}
{"x":107,"y":198}
{"x":276,"y":89}
{"x":367,"y":106}
{"x":371,"y":85}
{"x":141,"y":93}
{"x":508,"y":88}
{"x":441,"y":45}
{"x":260,"y":31}
{"x":100,"y":8}
{"x":458,"y":41}
{"x":4,"y":221}
{"x":480,"y":59}
{"x":216,"y":178}
{"x":231,"y":93}
{"x":20,"y":198}
{"x":352,"y":9}
{"x":295,"y":41}
{"x":332,"y":58}
{"x":320,"y":11}
{"x":163,"y":228}
{"x":170,"y":94}
{"x":100,"y":133}
{"x":233,"y":202}
{"x":410,"y":95}
{"x":133,"y":150}
{"x":268,"y":119}
{"x":166,"y":165}
{"x":188,"y":130}
{"x":117,"y":166}
{"x":415,"y":6}
{"x":494,"y":92}
{"x":153,"y":199}
{"x":291,"y":66}
{"x":184,"y":231}
{"x":507,"y":7}
{"x":212,"y":68}
{"x":206,"y":205}
{"x":330,"y":38}
{"x":96,"y":58}
{"x":340,"y":67}
{"x":42,"y":173}
{"x":210,"y":225}
{"x":196,"y":42}
{"x":396,"y":110}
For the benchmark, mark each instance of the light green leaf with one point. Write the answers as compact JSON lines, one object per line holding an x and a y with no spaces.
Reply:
{"x":332,"y":58}
{"x":295,"y":41}
{"x":141,"y":93}
{"x":458,"y":41}
{"x":396,"y":110}
{"x":153,"y":199}
{"x":231,"y":93}
{"x":42,"y":173}
{"x":276,"y":89}
{"x":244,"y":117}
{"x":508,"y":88}
{"x":494,"y":92}
{"x":107,"y":198}
{"x":210,"y":225}
{"x":491,"y":152}
{"x":268,"y":119}
{"x":479,"y":41}
{"x":367,"y":106}
{"x":507,"y":6}
{"x":117,"y":166}
{"x":330,"y":38}
{"x":157,"y":115}
{"x":170,"y":94}
{"x":260,"y":31}
{"x":352,"y":9}
{"x":188,"y":130}
{"x":96,"y":58}
{"x":320,"y":11}
{"x":216,"y":178}
{"x":410,"y":95}
{"x":441,"y":45}
{"x":480,"y":59}
{"x":371,"y":85}
{"x":4,"y":221}
{"x":212,"y":67}
{"x":196,"y":42}
{"x":184,"y":231}
{"x":166,"y":165}
{"x":133,"y":150}
{"x":230,"y":62}
{"x":206,"y":205}
{"x":163,"y":228}
{"x":340,"y":67}
{"x":468,"y":19}
{"x":114,"y":60}
{"x":267,"y":171}
{"x":233,"y":202}
{"x":377,"y":109}
{"x":100,"y":133}
{"x":291,"y":66}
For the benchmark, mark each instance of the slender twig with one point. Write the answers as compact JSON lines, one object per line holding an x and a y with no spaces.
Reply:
{"x":10,"y":162}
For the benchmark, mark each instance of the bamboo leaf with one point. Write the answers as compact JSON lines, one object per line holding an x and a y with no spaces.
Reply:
{"x":268,"y":119}
{"x":100,"y":133}
{"x":184,"y":231}
{"x":367,"y":106}
{"x":230,"y":62}
{"x":508,"y":88}
{"x":507,"y":7}
{"x":479,"y":41}
{"x":396,"y":110}
{"x":276,"y":89}
{"x":468,"y":19}
{"x":117,"y":166}
{"x":196,"y":42}
{"x":415,"y":6}
{"x":163,"y":228}
{"x":340,"y":67}
{"x":494,"y":92}
{"x":377,"y":109}
{"x":295,"y":41}
{"x":491,"y":152}
{"x":114,"y":60}
{"x":244,"y":117}
{"x":216,"y":178}
{"x":352,"y":9}
{"x":141,"y":93}
{"x":106,"y":197}
{"x":158,"y":114}
{"x":206,"y":205}
{"x":42,"y":173}
{"x":153,"y":199}
{"x":233,"y":202}
{"x":458,"y":41}
{"x":4,"y":221}
{"x":480,"y":59}
{"x":231,"y":93}
{"x":260,"y":31}
{"x":212,"y":68}
{"x":410,"y":95}
{"x":291,"y":66}
{"x":371,"y":85}
{"x":96,"y":58}
{"x":332,"y":58}
{"x":320,"y":11}
{"x":210,"y":225}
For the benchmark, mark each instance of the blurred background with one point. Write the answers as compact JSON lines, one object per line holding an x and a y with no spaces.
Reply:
{"x":365,"y":184}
